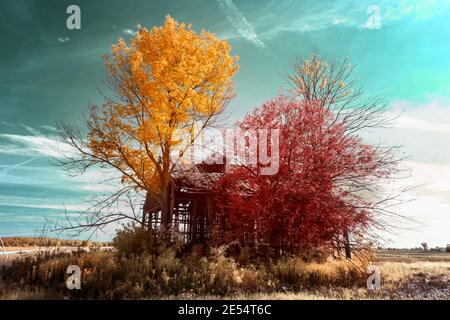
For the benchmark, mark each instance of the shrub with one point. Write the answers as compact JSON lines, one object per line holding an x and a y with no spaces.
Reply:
{"x":135,"y":240}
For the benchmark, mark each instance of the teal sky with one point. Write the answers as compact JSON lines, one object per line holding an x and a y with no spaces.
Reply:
{"x":49,"y":73}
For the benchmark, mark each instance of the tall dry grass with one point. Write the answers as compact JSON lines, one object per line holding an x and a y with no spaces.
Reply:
{"x":107,"y":276}
{"x":295,"y":274}
{"x":146,"y":265}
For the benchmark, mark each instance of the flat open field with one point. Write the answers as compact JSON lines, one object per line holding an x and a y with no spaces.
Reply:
{"x":412,"y":256}
{"x":405,"y":274}
{"x":23,"y":251}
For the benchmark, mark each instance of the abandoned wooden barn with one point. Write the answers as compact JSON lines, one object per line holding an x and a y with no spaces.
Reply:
{"x":195,"y":216}
{"x":193,"y":212}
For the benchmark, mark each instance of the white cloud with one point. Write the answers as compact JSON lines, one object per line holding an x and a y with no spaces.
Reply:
{"x":99,"y":187}
{"x":429,"y":179}
{"x":300,"y":17}
{"x":424,"y":132}
{"x":49,"y":128}
{"x":237,"y":19}
{"x":7,"y":124}
{"x":427,"y":204}
{"x":63,"y":39}
{"x":99,"y":180}
{"x":95,"y":180}
{"x":62,"y":207}
{"x":430,"y":116}
{"x":7,"y":169}
{"x":31,"y":130}
{"x":432,"y":226}
{"x":415,"y":9}
{"x":272,"y":19}
{"x":412,"y":123}
{"x":129,"y":32}
{"x":14,"y":144}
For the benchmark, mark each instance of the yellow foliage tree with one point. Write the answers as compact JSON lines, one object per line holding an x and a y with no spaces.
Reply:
{"x":168,"y":84}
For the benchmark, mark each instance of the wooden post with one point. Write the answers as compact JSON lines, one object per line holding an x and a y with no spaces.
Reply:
{"x":144,"y":215}
{"x":193,"y":221}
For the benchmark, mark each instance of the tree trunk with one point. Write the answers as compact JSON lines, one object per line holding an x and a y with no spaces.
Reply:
{"x":167,"y":199}
{"x":348,"y":252}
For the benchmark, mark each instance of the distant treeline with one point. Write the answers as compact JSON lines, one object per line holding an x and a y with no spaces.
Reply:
{"x":417,"y":249}
{"x":50,"y":242}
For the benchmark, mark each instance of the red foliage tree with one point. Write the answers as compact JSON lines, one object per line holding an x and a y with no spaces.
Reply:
{"x":320,"y":191}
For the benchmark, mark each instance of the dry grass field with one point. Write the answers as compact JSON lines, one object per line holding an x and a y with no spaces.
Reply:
{"x":405,"y":274}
